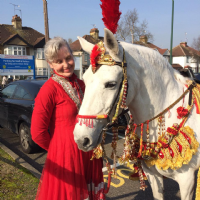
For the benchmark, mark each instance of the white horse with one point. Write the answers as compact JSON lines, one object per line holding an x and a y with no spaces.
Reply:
{"x":153,"y":85}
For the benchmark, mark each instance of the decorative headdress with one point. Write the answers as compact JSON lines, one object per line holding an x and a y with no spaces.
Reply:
{"x":111,"y":15}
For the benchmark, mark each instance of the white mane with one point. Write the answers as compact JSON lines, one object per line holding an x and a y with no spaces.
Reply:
{"x":158,"y":64}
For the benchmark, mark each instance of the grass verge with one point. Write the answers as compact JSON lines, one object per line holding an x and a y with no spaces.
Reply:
{"x":16,"y":182}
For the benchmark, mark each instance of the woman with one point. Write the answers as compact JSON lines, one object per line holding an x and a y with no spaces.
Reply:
{"x":68,"y":174}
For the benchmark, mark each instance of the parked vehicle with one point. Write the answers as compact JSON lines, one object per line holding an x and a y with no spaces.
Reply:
{"x":37,"y":78}
{"x":10,"y":80}
{"x":16,"y":106}
{"x":197,"y":76}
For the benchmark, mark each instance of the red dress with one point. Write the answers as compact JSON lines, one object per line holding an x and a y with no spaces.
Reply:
{"x":68,"y":174}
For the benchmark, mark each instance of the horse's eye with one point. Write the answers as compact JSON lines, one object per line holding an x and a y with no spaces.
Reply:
{"x":110,"y":84}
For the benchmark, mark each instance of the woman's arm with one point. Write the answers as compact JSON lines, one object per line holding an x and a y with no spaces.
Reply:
{"x":44,"y":105}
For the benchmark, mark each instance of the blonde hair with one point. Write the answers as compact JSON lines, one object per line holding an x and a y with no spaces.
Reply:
{"x":53,"y":46}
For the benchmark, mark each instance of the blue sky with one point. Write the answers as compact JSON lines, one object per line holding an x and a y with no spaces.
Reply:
{"x":72,"y":18}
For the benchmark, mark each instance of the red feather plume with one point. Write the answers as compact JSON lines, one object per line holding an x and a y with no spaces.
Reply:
{"x":111,"y":14}
{"x":94,"y":56}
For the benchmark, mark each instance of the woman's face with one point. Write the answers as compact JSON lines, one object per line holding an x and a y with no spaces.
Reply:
{"x":64,"y":64}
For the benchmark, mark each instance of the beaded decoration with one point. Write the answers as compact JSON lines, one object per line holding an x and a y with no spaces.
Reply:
{"x":114,"y":147}
{"x":72,"y":92}
{"x":175,"y":146}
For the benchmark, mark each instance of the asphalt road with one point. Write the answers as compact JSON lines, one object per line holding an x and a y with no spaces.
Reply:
{"x":121,"y":188}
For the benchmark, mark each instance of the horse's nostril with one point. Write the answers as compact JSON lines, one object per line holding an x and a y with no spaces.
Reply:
{"x":86,"y":142}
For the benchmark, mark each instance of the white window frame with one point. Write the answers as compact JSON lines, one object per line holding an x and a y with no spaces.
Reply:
{"x":85,"y":57}
{"x":39,"y":54}
{"x":188,"y":59}
{"x":15,"y":50}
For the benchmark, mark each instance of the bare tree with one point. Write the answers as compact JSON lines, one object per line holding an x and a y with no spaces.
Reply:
{"x":143,"y":30}
{"x":69,"y":40}
{"x":196,"y":43}
{"x":129,"y":28}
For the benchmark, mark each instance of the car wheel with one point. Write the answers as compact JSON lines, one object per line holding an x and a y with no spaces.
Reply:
{"x":27,"y":144}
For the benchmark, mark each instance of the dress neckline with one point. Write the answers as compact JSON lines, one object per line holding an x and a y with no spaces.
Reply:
{"x":70,"y":79}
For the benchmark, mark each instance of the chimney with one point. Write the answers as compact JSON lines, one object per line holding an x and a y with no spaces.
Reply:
{"x":143,"y":39}
{"x":94,"y":33}
{"x":184,"y":44}
{"x":17,"y":22}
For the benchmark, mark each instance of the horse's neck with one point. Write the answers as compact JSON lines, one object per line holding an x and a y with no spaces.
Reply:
{"x":153,"y":98}
{"x":154,"y":94}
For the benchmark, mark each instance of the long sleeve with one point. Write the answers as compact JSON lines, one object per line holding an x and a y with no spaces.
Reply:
{"x":44,"y":105}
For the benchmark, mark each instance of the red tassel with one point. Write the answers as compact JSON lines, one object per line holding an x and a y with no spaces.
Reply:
{"x":92,"y":124}
{"x":86,"y":122}
{"x":111,"y":14}
{"x":182,"y":112}
{"x":77,"y":120}
{"x":141,"y":142}
{"x":135,"y":126}
{"x":172,"y":131}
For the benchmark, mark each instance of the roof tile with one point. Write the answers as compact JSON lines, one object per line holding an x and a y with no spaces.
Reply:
{"x":30,"y":35}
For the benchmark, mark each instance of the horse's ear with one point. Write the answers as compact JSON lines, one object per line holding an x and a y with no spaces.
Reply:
{"x":111,"y":42}
{"x":86,"y":46}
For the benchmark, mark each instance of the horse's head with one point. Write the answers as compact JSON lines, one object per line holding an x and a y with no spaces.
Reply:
{"x":102,"y":89}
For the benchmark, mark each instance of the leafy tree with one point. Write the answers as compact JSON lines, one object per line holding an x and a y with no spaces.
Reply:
{"x":196,"y":43}
{"x":129,"y":28}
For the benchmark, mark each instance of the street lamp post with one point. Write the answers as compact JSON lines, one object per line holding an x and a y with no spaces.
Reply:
{"x":172,"y":32}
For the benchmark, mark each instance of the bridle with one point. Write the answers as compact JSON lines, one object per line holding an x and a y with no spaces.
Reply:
{"x":120,"y":99}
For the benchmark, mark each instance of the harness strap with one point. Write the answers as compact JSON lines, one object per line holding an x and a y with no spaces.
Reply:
{"x":189,"y":89}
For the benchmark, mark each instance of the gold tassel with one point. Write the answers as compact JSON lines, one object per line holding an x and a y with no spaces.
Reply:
{"x":198,"y":186}
{"x":141,"y":141}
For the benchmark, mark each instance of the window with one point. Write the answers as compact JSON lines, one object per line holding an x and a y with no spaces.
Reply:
{"x":39,"y":53}
{"x":45,"y":71}
{"x":8,"y":91}
{"x":39,"y":71}
{"x":188,"y":59}
{"x":85,"y":57}
{"x":15,"y":50}
{"x":21,"y":93}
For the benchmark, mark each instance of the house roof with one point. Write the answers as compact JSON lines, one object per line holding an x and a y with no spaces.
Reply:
{"x":76,"y":46}
{"x":162,"y":51}
{"x":29,"y":35}
{"x":148,"y":44}
{"x":152,"y":46}
{"x":184,"y":50}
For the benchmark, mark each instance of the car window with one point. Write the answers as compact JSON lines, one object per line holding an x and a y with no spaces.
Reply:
{"x":8,"y":91}
{"x":21,"y":93}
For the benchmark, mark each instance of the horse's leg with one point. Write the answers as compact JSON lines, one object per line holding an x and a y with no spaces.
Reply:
{"x":186,"y":183}
{"x":155,"y":180}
